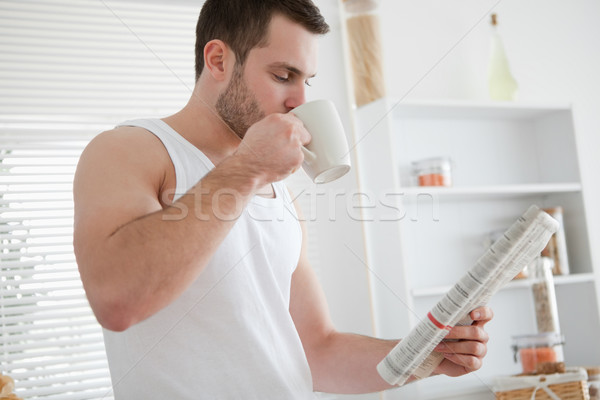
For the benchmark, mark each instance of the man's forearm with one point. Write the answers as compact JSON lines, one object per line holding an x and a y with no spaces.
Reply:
{"x":346,"y":363}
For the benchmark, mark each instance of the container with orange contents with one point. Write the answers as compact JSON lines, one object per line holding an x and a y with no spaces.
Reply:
{"x":537,"y":350}
{"x":433,"y":171}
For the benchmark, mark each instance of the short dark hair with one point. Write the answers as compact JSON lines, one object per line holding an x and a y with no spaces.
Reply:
{"x":243,"y":24}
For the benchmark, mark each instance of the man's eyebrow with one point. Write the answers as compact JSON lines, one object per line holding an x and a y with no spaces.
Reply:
{"x":290,"y":68}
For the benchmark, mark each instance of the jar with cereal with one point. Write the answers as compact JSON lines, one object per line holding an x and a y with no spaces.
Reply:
{"x":544,"y":296}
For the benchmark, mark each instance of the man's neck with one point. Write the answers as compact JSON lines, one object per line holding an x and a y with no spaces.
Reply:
{"x":199,"y":123}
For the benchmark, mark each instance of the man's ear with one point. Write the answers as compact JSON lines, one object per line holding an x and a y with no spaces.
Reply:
{"x":217,"y":57}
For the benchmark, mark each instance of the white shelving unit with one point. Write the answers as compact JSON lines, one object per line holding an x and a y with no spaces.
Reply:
{"x":420,"y":240}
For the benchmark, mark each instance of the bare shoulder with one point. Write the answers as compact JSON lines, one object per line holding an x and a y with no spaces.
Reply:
{"x":124,"y":146}
{"x":125,"y":152}
{"x":119,"y":178}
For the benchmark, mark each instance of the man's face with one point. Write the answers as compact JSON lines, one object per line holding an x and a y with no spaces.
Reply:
{"x":273,"y":79}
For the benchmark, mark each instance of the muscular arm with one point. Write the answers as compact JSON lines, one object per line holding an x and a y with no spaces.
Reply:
{"x":134,"y":255}
{"x":346,"y":363}
{"x":137,"y":254}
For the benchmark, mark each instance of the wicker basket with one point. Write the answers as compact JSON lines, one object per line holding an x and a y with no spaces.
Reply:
{"x":571,"y":385}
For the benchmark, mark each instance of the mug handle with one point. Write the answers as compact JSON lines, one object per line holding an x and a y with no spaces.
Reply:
{"x":308,"y":155}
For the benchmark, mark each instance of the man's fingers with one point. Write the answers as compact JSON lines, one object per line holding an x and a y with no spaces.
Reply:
{"x":482,"y":315}
{"x":464,"y":347}
{"x":468,"y":332}
{"x":469,"y":348}
{"x":305,"y":137}
{"x":469,"y":363}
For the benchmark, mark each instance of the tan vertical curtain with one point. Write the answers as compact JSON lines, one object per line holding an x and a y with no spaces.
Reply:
{"x":364,"y":38}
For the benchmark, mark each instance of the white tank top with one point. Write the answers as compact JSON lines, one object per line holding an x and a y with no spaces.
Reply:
{"x":230,"y":335}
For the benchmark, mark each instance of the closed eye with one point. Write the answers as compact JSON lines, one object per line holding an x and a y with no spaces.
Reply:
{"x":286,"y":73}
{"x":280,"y":78}
{"x":286,"y":79}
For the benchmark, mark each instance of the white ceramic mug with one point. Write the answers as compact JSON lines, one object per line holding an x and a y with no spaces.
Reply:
{"x":326,"y":157}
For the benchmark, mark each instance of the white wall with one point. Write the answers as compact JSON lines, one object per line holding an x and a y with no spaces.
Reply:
{"x":439,"y":49}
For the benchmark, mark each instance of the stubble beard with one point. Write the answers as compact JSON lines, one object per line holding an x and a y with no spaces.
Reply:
{"x":237,"y":106}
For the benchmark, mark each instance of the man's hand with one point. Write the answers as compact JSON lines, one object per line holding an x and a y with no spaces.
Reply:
{"x":272,"y":146}
{"x":465,"y":346}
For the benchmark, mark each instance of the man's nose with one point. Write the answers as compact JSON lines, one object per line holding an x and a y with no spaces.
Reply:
{"x":296,"y":97}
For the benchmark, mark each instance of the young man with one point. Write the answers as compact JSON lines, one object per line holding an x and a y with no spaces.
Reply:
{"x":189,"y":249}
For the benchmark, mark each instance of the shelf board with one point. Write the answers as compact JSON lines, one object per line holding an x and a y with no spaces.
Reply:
{"x":493,"y":191}
{"x":452,"y":109}
{"x":516,"y":284}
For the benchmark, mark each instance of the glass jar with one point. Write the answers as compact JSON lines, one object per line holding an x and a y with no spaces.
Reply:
{"x":435,"y":171}
{"x":536,"y":349}
{"x":365,"y":50}
{"x":556,"y":248}
{"x":544,"y":296}
{"x":594,"y":382}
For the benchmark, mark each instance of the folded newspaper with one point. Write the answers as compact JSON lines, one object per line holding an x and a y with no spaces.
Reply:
{"x":520,"y":244}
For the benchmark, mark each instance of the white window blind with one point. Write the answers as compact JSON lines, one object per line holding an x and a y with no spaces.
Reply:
{"x":68,"y":70}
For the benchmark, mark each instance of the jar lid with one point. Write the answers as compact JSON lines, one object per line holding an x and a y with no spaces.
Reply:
{"x":545,"y":339}
{"x":443,"y":163}
{"x":360,"y":6}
